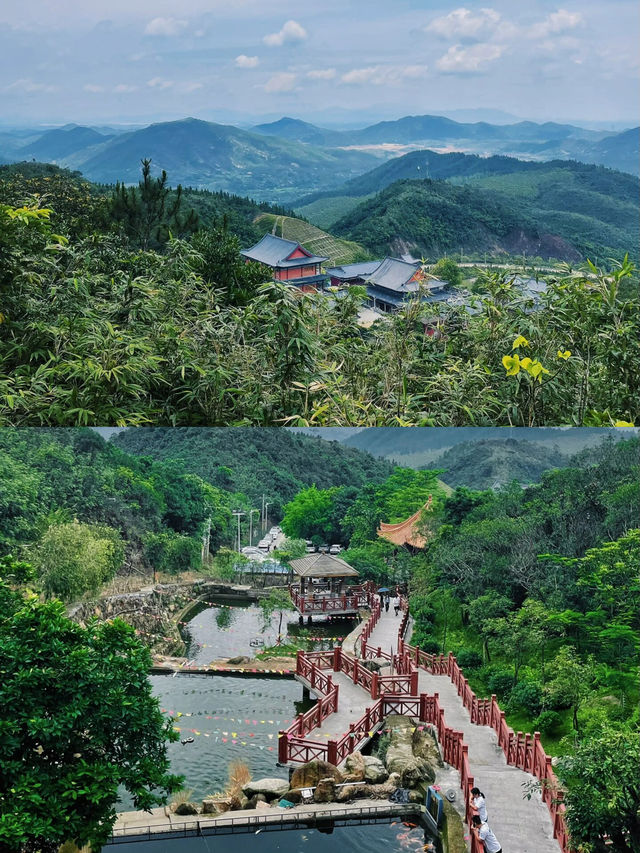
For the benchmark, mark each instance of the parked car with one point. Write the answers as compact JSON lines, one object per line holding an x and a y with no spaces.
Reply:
{"x":310,"y":549}
{"x":264,"y":544}
{"x":335,"y":549}
{"x":324,"y":549}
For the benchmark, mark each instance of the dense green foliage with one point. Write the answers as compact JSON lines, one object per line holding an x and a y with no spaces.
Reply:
{"x":78,"y":720}
{"x":96,"y":331}
{"x":74,"y":503}
{"x":563,"y":211}
{"x":257,"y":461}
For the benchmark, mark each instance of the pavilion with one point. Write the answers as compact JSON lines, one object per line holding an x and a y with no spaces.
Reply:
{"x":395,"y":282}
{"x":323,"y":589}
{"x":406,"y":533}
{"x":289,"y":261}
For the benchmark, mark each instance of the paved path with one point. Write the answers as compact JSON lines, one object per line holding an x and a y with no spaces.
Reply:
{"x":352,"y":703}
{"x":520,"y":825}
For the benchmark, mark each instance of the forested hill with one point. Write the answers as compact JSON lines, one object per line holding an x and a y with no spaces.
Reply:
{"x":550,"y":217}
{"x":493,"y":462}
{"x":417,"y":447}
{"x":259,"y":460}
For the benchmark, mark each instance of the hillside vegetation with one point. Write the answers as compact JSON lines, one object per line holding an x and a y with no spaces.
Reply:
{"x":269,"y":461}
{"x":312,"y":238}
{"x":122,"y":310}
{"x":524,"y":213}
{"x":492,"y":462}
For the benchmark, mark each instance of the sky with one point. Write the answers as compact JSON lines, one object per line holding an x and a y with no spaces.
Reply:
{"x":329,"y":61}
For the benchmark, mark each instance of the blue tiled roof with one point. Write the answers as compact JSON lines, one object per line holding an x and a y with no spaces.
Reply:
{"x":360,"y":270}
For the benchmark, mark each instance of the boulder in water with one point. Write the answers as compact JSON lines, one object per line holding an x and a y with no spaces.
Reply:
{"x":354,"y":767}
{"x":325,"y":791}
{"x":186,"y":809}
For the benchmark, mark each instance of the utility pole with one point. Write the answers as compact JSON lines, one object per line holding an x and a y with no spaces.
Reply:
{"x":251,"y":511}
{"x":238,"y":513}
{"x":265,"y":515}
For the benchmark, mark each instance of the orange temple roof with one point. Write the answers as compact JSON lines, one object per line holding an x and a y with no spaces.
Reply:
{"x":405,"y":532}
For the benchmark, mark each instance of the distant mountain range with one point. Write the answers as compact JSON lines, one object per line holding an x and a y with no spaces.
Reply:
{"x":288,"y":158}
{"x":522,"y":139}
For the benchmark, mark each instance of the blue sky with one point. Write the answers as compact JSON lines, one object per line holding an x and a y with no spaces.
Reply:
{"x":139,"y":60}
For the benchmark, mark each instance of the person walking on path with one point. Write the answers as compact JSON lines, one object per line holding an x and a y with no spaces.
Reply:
{"x":478,"y":802}
{"x":484,"y":833}
{"x":396,"y":603}
{"x":386,"y":603}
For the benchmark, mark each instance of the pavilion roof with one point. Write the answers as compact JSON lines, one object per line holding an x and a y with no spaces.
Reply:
{"x":405,"y":532}
{"x":322,"y":566}
{"x":276,"y":252}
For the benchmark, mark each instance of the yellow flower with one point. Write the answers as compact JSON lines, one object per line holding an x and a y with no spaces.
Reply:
{"x":566,"y":354}
{"x":623,"y":424}
{"x":511,"y":364}
{"x":520,"y":341}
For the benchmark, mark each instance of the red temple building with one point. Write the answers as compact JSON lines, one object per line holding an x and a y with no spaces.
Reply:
{"x":290,"y":262}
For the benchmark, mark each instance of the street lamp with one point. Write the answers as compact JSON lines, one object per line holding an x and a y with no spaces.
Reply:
{"x":265,"y":516}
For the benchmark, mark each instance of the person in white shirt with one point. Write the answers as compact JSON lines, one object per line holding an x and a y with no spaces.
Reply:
{"x":396,"y":603}
{"x":484,"y":833}
{"x":478,"y":802}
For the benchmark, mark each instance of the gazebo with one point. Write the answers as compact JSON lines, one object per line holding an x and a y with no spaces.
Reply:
{"x":322,"y":590}
{"x":406,"y":533}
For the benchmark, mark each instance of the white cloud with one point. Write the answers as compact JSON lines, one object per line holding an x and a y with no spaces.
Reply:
{"x":292,"y":31}
{"x":464,"y":24}
{"x":123,"y":88}
{"x":25,"y":84}
{"x":165,"y":27}
{"x":558,"y":22}
{"x":282,"y":82}
{"x":322,"y":74}
{"x":91,"y":87}
{"x":190,"y":87}
{"x":243,"y":61}
{"x":466,"y":60}
{"x":159,"y":83}
{"x":380,"y":75}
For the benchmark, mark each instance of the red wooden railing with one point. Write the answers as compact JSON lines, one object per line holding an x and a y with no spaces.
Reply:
{"x":398,"y":693}
{"x":524,"y":751}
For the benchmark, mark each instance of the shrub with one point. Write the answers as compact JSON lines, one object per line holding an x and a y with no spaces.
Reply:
{"x":548,"y":722}
{"x":425,"y":640}
{"x":526,"y":695}
{"x":500,"y":681}
{"x":469,"y":659}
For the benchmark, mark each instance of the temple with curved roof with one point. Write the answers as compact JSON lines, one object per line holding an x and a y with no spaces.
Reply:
{"x":406,"y":533}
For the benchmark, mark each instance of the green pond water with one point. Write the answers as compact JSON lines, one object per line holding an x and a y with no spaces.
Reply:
{"x":220,"y":629}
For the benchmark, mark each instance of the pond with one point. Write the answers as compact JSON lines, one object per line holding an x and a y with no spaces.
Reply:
{"x":229,"y":718}
{"x":231,"y":627}
{"x":390,"y":837}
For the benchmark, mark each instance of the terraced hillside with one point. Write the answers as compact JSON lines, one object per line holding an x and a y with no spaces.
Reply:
{"x":312,"y":238}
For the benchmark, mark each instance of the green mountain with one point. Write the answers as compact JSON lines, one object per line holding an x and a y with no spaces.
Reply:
{"x":296,"y":131}
{"x":257,"y":461}
{"x":488,"y":463}
{"x":416,"y":447}
{"x":566,"y":211}
{"x":61,"y":143}
{"x":217,"y":157}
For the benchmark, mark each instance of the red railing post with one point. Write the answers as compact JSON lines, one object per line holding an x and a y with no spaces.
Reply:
{"x":414,"y":682}
{"x":337,"y":658}
{"x":332,"y":752}
{"x":375,"y":685}
{"x":299,"y":656}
